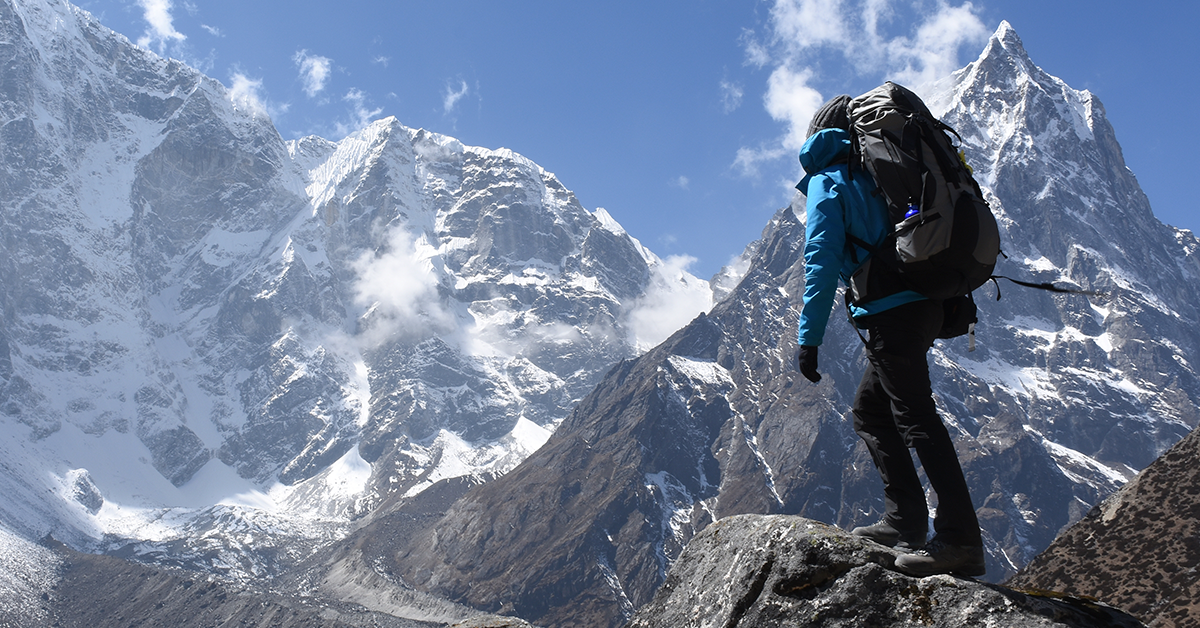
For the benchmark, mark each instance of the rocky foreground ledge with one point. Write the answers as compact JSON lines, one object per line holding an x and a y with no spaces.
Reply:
{"x":763,"y":571}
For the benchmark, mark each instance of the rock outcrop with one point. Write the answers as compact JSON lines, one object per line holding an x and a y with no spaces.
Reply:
{"x":1139,"y":548}
{"x":764,"y":571}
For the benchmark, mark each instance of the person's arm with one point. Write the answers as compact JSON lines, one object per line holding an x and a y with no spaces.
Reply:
{"x":824,"y":251}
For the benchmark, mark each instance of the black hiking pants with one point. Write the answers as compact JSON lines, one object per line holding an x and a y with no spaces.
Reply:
{"x":894,"y":411}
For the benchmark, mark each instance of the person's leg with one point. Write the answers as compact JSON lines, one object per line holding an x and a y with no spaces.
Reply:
{"x":955,"y":520}
{"x":905,"y":509}
{"x":899,"y":341}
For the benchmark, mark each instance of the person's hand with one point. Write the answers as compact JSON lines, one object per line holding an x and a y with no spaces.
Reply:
{"x":807,"y":361}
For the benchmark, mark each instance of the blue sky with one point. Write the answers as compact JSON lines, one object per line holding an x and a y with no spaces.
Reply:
{"x":675,"y":116}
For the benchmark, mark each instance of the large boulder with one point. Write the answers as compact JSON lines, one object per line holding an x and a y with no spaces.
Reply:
{"x":764,"y":571}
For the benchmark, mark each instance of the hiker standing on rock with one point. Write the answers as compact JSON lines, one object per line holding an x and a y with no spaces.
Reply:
{"x":893,"y":408}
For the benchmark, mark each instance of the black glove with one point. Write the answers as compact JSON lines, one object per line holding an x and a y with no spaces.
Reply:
{"x":807,"y":361}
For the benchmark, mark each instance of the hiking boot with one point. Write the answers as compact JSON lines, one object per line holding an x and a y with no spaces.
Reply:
{"x":938,"y":557}
{"x":886,"y":534}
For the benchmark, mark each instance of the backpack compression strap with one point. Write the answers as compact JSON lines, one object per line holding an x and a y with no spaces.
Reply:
{"x":1044,"y":286}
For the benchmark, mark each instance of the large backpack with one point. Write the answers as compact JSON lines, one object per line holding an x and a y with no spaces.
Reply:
{"x":945,"y":239}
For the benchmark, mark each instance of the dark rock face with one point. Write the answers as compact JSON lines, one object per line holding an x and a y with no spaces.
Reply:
{"x":1138,"y":549}
{"x":52,"y":187}
{"x":767,"y":571}
{"x":587,"y":518}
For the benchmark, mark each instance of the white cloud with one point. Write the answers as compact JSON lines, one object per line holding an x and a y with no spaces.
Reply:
{"x":450,"y":100}
{"x":161,"y":29}
{"x":381,"y":60}
{"x":791,"y":99}
{"x":682,"y":182}
{"x":244,"y":92}
{"x":875,"y":13}
{"x":360,"y":113}
{"x":212,"y":30}
{"x":757,"y":54}
{"x":802,"y":24}
{"x":397,"y":286}
{"x":673,"y":298}
{"x":933,"y":53}
{"x":853,"y":37}
{"x":314,"y":71}
{"x":731,"y":96}
{"x":748,"y":159}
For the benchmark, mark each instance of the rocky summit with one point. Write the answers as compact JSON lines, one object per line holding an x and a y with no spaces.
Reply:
{"x":757,"y":571}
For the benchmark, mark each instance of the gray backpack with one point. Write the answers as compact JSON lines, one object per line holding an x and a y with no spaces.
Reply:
{"x":945,"y":240}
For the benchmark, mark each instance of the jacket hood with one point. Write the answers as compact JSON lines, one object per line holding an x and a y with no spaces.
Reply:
{"x":821,"y":150}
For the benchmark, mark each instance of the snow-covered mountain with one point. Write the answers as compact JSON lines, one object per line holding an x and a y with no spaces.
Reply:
{"x":1065,"y":399}
{"x":238,"y":354}
{"x":219,"y":348}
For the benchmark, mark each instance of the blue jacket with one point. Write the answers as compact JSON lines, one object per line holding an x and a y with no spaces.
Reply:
{"x":837,"y":205}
